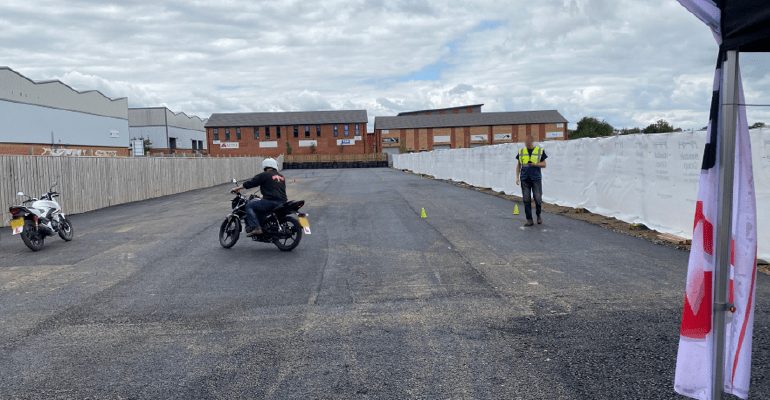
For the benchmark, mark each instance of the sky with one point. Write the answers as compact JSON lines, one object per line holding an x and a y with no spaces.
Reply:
{"x":630,"y":63}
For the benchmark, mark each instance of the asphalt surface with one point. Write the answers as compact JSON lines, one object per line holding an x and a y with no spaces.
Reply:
{"x":376,"y":304}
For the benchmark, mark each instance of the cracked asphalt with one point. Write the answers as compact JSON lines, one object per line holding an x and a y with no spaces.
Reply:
{"x":376,"y":304}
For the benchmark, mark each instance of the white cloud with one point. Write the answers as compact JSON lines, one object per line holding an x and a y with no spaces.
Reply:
{"x":625,"y":61}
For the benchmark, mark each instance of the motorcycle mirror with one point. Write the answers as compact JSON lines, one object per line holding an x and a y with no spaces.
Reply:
{"x":20,"y":194}
{"x":54,"y":183}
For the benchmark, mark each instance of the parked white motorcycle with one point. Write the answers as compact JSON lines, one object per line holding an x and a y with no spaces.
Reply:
{"x":39,"y":220}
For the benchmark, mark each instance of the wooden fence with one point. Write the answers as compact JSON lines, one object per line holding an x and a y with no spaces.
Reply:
{"x":336,"y":157}
{"x":91,"y":183}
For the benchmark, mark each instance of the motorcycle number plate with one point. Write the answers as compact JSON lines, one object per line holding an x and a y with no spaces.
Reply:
{"x":17,"y":225}
{"x":304,"y":222}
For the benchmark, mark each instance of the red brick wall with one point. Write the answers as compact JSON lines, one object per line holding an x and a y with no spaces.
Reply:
{"x":41,"y":149}
{"x":327,"y":143}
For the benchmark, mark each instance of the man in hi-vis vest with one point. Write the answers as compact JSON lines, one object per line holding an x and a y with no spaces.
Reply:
{"x":531,"y":161}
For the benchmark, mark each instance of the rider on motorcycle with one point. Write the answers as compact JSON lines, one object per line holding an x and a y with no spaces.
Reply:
{"x":273,"y":187}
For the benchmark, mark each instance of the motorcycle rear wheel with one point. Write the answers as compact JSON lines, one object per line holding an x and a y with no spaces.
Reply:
{"x":290,"y":243}
{"x":65,"y":229}
{"x":32,"y":237}
{"x":230,"y":232}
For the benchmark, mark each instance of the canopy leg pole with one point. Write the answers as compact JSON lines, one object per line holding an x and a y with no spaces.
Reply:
{"x":730,"y":71}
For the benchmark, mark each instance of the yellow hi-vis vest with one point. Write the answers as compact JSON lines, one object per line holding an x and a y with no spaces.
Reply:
{"x":524,"y":156}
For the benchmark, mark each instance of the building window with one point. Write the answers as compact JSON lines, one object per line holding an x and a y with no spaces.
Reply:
{"x":318,"y":130}
{"x":307,"y":131}
{"x":200,"y":145}
{"x":277,"y":132}
{"x":227,"y":133}
{"x":335,"y":131}
{"x":195,"y":145}
{"x":172,"y":144}
{"x":256,"y":133}
{"x":267,"y":132}
{"x":347,"y":133}
{"x":296,"y":131}
{"x":358,"y":130}
{"x":216,"y":134}
{"x":238,"y":133}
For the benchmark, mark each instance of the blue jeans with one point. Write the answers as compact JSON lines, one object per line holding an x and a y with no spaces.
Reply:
{"x":257,"y":210}
{"x":536,"y":189}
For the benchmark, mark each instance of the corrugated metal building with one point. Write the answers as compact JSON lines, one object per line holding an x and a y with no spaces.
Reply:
{"x":168,"y":132}
{"x":51,"y":118}
{"x":456,"y":131}
{"x":307,"y":132}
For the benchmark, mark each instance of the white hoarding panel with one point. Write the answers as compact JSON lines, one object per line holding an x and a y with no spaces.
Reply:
{"x":650,"y":179}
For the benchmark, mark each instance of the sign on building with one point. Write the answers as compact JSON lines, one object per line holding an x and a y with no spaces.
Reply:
{"x":228,"y":145}
{"x":477,"y":138}
{"x":268,"y":144}
{"x":390,"y":140}
{"x":502,"y":136}
{"x":346,"y":142}
{"x":114,"y":134}
{"x":441,"y":139}
{"x":554,"y":135}
{"x":308,"y":143}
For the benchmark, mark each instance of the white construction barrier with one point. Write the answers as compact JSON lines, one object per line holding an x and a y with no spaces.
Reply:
{"x":644,"y":178}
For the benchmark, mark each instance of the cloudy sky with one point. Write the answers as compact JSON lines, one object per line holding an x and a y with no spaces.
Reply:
{"x":629,"y":62}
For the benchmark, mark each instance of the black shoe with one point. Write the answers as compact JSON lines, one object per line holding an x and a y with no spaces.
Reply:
{"x":529,"y":223}
{"x":251,"y":231}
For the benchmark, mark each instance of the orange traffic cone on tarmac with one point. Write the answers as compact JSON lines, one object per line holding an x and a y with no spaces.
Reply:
{"x":516,"y":209}
{"x":422,"y":213}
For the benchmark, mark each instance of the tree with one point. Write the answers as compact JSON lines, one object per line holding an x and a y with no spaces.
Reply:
{"x":629,"y":131}
{"x":288,"y":148}
{"x":758,"y":125}
{"x":662,"y":126}
{"x":342,"y":148}
{"x":402,"y":148}
{"x":312,"y":149}
{"x":589,"y":127}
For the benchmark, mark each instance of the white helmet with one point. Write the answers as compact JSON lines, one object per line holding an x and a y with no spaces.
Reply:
{"x":269,"y":163}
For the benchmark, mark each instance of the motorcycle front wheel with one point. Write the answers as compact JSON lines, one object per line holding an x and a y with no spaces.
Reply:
{"x":31,"y":237}
{"x":292,"y":234}
{"x":65,"y":229}
{"x":230,"y":232}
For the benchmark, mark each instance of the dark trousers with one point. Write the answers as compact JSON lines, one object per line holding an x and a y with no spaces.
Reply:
{"x":530,"y":189}
{"x":257,"y":210}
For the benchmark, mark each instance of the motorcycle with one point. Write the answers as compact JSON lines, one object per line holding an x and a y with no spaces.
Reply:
{"x":283,"y":227}
{"x":42,"y":218}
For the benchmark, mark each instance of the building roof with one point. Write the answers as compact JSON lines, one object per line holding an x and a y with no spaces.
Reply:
{"x":474,"y":119}
{"x":162,"y":116}
{"x":406,"y":113}
{"x":288,"y":118}
{"x":56,"y":94}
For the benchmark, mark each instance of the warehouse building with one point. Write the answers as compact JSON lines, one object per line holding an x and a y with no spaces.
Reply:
{"x":167,"y":131}
{"x":51,"y":118}
{"x":474,"y":108}
{"x":425,"y":132}
{"x":274,"y":133}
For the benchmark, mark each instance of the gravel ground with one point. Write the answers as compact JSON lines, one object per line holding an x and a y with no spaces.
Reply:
{"x":376,"y":304}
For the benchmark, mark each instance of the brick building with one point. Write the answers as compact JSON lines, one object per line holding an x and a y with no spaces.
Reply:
{"x":267,"y":133}
{"x":51,"y":118}
{"x":426,"y":132}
